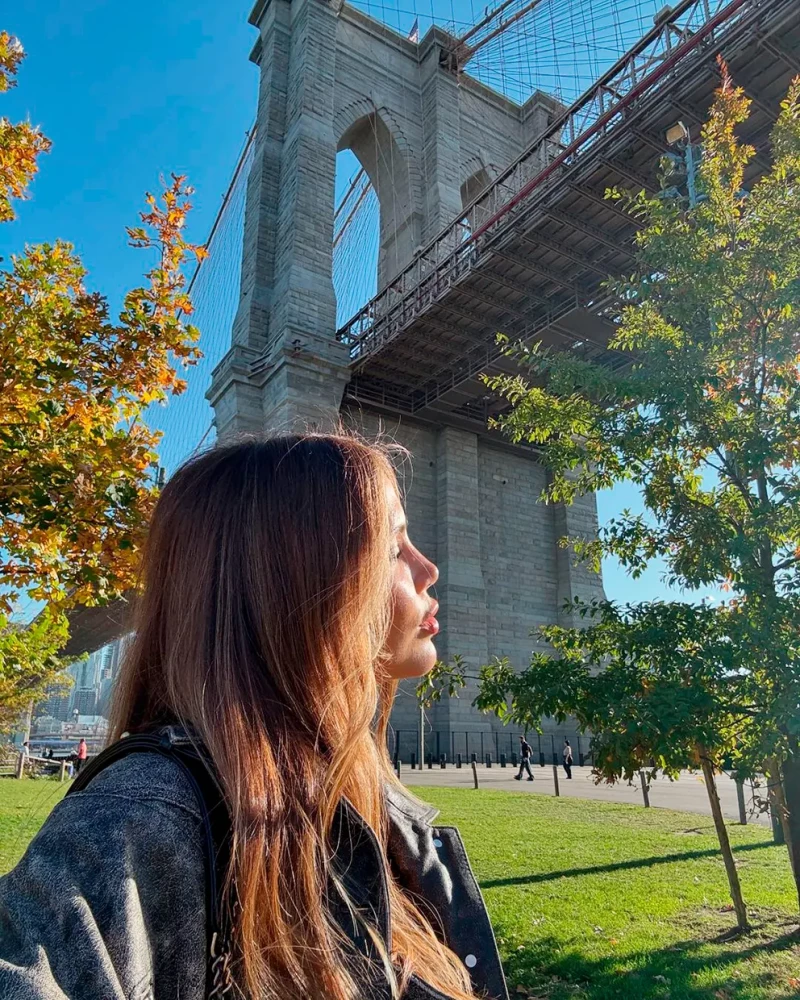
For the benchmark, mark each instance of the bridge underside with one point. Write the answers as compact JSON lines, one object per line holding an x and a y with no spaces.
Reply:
{"x":543,"y":276}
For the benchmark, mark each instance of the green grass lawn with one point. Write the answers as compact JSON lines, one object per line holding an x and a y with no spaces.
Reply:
{"x":591,"y":901}
{"x":24,"y":806}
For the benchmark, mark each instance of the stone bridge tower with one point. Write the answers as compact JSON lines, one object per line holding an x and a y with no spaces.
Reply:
{"x":430,"y":138}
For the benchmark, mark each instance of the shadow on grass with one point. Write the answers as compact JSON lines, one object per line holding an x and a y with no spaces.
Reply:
{"x":738,"y":969}
{"x":617,"y":866}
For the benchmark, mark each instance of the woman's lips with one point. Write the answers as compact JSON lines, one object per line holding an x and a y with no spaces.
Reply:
{"x":430,"y":625}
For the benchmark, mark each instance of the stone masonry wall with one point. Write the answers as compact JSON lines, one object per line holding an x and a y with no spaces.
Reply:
{"x":473,"y":507}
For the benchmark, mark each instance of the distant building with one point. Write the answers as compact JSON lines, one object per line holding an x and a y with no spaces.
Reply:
{"x":93,"y":682}
{"x":84,"y":702}
{"x":46,"y":725}
{"x":55,"y":707}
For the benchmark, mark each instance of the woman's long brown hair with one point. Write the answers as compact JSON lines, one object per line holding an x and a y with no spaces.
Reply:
{"x":265,"y":606}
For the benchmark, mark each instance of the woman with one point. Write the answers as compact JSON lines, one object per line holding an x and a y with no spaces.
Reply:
{"x":283,"y":600}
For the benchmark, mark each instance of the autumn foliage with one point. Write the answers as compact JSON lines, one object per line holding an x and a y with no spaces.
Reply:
{"x":76,"y":459}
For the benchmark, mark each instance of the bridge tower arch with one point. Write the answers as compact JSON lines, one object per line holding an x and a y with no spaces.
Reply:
{"x":331,"y":77}
{"x":430,"y":138}
{"x":376,"y":140}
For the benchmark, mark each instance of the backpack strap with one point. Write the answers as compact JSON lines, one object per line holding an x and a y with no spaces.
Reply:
{"x":193,"y":759}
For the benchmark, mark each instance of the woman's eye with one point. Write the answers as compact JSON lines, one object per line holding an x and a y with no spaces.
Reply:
{"x":396,"y":554}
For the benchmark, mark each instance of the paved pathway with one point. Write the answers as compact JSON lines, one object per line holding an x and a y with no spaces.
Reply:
{"x":687,"y":794}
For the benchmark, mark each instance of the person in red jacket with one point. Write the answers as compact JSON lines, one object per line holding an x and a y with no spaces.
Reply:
{"x":83,"y":753}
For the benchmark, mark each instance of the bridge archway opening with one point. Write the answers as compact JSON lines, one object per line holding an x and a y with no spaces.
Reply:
{"x":378,"y":224}
{"x":356,"y":237}
{"x":475,"y":184}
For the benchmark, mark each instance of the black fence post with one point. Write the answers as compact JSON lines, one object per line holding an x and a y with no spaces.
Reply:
{"x":438,"y":747}
{"x":443,"y":761}
{"x":488,"y":760}
{"x":430,"y":761}
{"x":482,"y":750}
{"x":458,"y":760}
{"x":502,"y":760}
{"x":473,"y":757}
{"x":413,"y":761}
{"x":514,"y":760}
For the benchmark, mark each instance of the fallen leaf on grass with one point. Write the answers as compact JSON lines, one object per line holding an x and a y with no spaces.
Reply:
{"x":722,"y":995}
{"x":795,"y":983}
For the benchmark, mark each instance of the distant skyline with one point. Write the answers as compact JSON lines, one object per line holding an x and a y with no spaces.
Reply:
{"x":129,"y":92}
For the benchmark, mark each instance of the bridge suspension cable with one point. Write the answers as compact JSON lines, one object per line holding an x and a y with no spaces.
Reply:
{"x":186,"y":421}
{"x":517,"y":47}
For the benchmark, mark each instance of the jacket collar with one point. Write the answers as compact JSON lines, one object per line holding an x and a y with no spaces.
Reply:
{"x":359,"y":860}
{"x":403,"y":805}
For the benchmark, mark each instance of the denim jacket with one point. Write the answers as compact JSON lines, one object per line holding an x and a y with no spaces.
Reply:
{"x":108,"y":902}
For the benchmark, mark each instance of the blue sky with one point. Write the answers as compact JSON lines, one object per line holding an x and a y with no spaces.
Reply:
{"x":128,"y":92}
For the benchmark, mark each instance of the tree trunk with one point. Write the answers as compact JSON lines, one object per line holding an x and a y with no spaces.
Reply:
{"x":724,"y":842}
{"x":27,"y":722}
{"x":776,"y":811}
{"x":777,"y":802}
{"x":790,"y":812}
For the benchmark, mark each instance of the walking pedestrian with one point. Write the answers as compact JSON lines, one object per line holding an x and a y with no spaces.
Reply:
{"x":567,"y":751}
{"x":283,"y":601}
{"x":83,"y":753}
{"x":525,"y":751}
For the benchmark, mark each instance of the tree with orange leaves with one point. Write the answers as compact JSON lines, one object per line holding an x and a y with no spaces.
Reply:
{"x":76,"y":459}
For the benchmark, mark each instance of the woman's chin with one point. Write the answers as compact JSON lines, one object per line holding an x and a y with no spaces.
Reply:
{"x":417,"y":665}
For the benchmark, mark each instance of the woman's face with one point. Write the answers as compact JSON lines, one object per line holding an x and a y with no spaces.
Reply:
{"x":409,"y":646}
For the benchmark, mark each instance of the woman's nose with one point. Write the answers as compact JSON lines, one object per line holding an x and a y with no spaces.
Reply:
{"x":429,"y":572}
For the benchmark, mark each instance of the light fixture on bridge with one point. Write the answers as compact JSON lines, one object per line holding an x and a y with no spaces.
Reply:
{"x":677,"y":133}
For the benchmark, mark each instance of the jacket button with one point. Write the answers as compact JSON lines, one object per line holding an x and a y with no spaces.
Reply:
{"x":470,"y":961}
{"x":437,"y":842}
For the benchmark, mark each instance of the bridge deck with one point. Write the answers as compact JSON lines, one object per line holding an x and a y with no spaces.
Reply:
{"x":531,"y":254}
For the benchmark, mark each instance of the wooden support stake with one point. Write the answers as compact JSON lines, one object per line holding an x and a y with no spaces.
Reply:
{"x":645,"y":789}
{"x":475,"y":773}
{"x":724,"y":840}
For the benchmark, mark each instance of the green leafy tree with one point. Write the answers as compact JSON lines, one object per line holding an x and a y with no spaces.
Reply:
{"x":76,"y":484}
{"x":657,"y":684}
{"x":703,"y":415}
